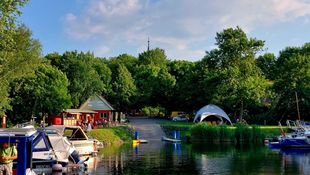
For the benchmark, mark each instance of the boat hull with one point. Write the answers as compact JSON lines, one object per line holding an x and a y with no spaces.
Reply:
{"x":294,"y":143}
{"x":170,"y":140}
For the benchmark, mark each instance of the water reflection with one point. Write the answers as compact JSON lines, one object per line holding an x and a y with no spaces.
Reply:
{"x":165,"y":158}
{"x":296,"y":160}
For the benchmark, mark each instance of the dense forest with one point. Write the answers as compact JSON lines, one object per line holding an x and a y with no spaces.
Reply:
{"x":238,"y":75}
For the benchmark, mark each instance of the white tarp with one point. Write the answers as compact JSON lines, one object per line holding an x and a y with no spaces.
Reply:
{"x":211,"y":110}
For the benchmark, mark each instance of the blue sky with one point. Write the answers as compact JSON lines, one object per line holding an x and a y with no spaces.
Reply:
{"x":185,"y":29}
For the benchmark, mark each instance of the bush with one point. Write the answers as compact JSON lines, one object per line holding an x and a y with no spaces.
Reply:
{"x":153,"y":111}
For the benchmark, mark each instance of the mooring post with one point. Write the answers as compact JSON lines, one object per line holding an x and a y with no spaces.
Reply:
{"x":178,"y":135}
{"x":137,"y":135}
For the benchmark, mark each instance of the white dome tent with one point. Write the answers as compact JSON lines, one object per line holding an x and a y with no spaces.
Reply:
{"x":211,"y":110}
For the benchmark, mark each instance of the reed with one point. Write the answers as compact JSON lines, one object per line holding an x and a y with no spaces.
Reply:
{"x":203,"y":132}
{"x":240,"y":133}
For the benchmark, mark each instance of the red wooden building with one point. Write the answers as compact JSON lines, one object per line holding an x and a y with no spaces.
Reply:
{"x":95,"y":110}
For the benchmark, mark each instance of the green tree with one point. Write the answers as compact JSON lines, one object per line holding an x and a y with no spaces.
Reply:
{"x":185,"y":95}
{"x":232,"y":73}
{"x":104,"y":73}
{"x":22,"y":61}
{"x":153,"y":81}
{"x":41,"y":94}
{"x":127,"y":60}
{"x":267,"y":63}
{"x":155,"y":85}
{"x":9,"y":11}
{"x":123,"y":87}
{"x":80,"y":69}
{"x":293,"y":76}
{"x":154,"y":57}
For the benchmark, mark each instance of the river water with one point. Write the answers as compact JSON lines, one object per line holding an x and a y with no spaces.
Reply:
{"x":158,"y":157}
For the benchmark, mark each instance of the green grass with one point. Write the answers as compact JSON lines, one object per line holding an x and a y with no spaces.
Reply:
{"x":202,"y":132}
{"x":112,"y":136}
{"x":183,"y":127}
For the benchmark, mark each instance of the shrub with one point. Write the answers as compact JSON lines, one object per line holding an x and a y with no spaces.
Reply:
{"x":153,"y":111}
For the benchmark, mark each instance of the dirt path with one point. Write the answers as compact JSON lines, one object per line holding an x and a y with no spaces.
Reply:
{"x":148,"y":129}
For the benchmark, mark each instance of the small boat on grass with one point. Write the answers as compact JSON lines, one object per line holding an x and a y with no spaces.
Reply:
{"x":166,"y":139}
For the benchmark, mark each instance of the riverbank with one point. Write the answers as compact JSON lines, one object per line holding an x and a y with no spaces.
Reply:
{"x":203,"y":132}
{"x":112,"y":136}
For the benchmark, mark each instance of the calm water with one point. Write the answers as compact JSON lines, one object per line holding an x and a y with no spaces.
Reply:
{"x":163,"y":158}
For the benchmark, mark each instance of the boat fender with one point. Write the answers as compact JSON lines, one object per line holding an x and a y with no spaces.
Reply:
{"x":95,"y":146}
{"x":57,"y":167}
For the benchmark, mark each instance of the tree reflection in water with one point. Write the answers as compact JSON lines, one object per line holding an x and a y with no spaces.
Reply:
{"x":166,"y":158}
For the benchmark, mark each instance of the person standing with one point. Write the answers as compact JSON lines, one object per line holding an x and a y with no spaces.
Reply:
{"x":89,"y":127}
{"x":8,"y":153}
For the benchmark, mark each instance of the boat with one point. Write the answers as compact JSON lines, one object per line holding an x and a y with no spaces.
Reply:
{"x":301,"y":140}
{"x":78,"y":138}
{"x":23,"y":138}
{"x":298,"y":138}
{"x":137,"y":141}
{"x":170,"y":140}
{"x":50,"y":148}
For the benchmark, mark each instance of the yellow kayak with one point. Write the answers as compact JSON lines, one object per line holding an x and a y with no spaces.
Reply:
{"x":139,"y":141}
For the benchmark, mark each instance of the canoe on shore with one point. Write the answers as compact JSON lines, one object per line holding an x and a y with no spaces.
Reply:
{"x":170,"y":140}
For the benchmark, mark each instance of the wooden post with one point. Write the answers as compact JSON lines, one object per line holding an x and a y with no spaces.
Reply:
{"x":3,"y":120}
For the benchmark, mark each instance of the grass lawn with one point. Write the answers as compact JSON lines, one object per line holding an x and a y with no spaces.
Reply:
{"x":112,"y":136}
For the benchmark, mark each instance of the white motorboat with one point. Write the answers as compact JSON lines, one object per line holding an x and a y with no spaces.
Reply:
{"x":78,"y":138}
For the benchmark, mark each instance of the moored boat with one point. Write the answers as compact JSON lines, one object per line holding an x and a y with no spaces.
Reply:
{"x":299,"y":138}
{"x":170,"y":140}
{"x":49,"y":148}
{"x":78,"y":138}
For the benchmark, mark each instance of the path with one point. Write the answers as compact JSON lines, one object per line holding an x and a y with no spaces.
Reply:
{"x":148,"y":128}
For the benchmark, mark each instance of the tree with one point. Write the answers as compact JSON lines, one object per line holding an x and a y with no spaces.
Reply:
{"x":154,"y":57}
{"x":42,"y":94}
{"x":155,"y":85}
{"x":130,"y":62}
{"x":80,"y":69}
{"x":153,"y":81}
{"x":267,"y":63}
{"x":123,"y":88}
{"x":185,"y":94}
{"x":104,"y":73}
{"x":236,"y":81}
{"x":9,"y":11}
{"x":21,"y":62}
{"x":293,"y":76}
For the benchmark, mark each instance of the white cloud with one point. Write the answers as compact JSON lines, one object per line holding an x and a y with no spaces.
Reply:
{"x":112,"y":8}
{"x":101,"y":51}
{"x":175,"y":25}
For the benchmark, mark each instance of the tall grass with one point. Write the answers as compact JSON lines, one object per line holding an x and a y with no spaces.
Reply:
{"x":241,"y":133}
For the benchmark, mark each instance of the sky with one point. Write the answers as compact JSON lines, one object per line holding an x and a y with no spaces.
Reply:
{"x":185,"y":29}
